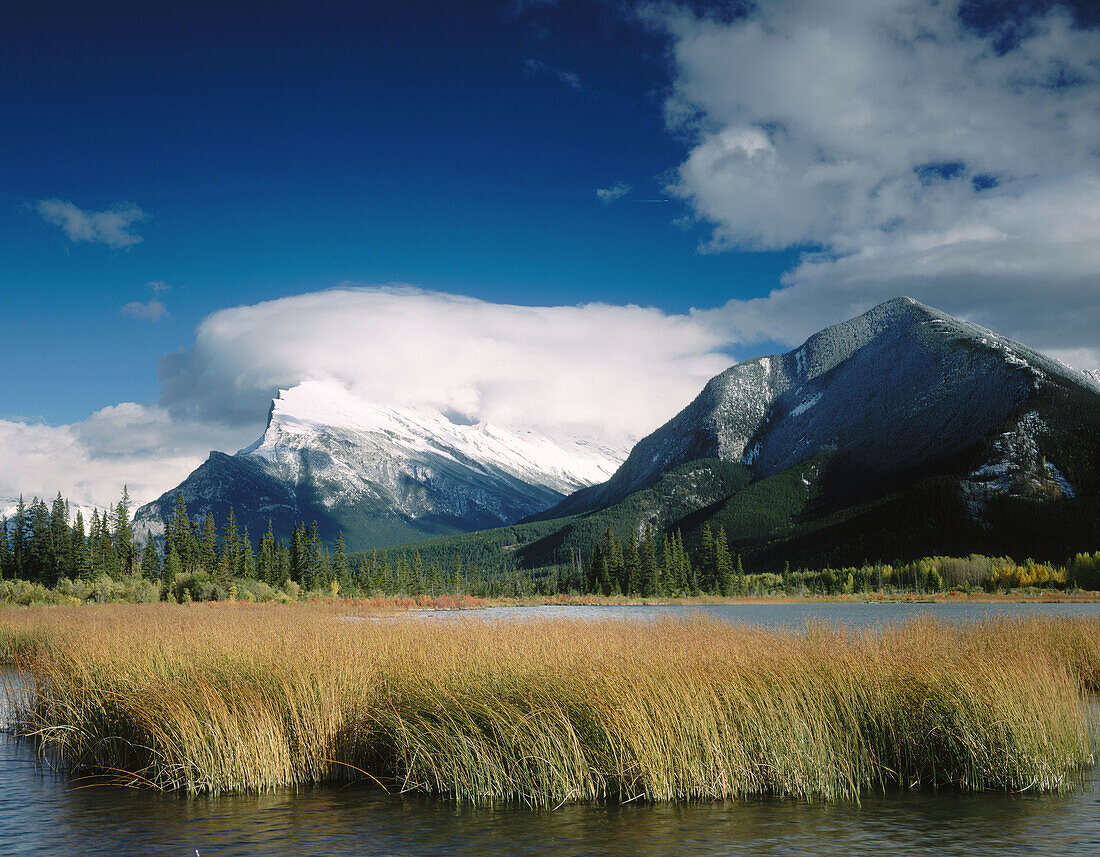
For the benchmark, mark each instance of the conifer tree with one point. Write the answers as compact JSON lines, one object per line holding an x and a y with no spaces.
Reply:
{"x":60,"y":543}
{"x":341,"y":571}
{"x":208,"y":547}
{"x":150,"y":562}
{"x":282,"y":565}
{"x":5,"y":550}
{"x":39,"y":562}
{"x":266,"y":569}
{"x":246,"y":559}
{"x":723,"y":564}
{"x":19,"y":536}
{"x":123,"y":534}
{"x":81,"y":561}
{"x":632,"y":562}
{"x":180,"y":536}
{"x":317,"y":559}
{"x":173,"y":567}
{"x":231,"y":544}
{"x":648,"y":583}
{"x":706,"y":566}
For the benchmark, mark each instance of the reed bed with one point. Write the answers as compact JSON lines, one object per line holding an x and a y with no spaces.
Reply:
{"x":234,"y":697}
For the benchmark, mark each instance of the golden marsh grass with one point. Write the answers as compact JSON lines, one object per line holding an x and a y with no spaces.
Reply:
{"x":241,"y":697}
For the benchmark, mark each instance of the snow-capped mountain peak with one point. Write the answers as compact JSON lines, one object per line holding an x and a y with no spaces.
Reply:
{"x":386,"y":473}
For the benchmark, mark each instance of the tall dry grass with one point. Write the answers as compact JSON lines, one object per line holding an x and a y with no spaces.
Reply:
{"x":234,"y":697}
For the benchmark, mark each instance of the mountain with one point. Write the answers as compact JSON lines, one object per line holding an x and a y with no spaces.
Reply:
{"x":892,"y":389}
{"x":901,"y":432}
{"x":382,"y":475}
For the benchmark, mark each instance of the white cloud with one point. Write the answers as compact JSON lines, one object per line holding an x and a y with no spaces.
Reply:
{"x":112,"y":227}
{"x":920,"y":157}
{"x":90,"y":461}
{"x":151,"y":310}
{"x":613,"y":370}
{"x":608,"y":195}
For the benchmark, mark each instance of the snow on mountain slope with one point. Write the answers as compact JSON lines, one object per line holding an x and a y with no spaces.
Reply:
{"x":317,"y":409}
{"x":383,"y":474}
{"x":898,"y":386}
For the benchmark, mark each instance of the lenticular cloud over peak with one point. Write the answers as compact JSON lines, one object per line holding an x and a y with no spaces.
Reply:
{"x":611,"y":370}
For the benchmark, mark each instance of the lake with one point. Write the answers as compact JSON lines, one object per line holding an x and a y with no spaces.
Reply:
{"x":44,"y":813}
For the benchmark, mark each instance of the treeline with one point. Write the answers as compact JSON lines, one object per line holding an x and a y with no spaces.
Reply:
{"x":45,"y":544}
{"x":46,"y":556}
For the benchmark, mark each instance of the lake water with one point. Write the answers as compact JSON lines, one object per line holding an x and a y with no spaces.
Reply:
{"x":44,"y":813}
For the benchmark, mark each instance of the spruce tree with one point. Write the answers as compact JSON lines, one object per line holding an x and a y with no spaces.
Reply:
{"x":19,"y":536}
{"x":723,"y":564}
{"x":60,"y":543}
{"x":632,"y":562}
{"x":231,"y":544}
{"x":150,"y":562}
{"x":208,"y":547}
{"x":246,"y":559}
{"x":5,"y":550}
{"x":705,"y":564}
{"x":341,"y":571}
{"x":266,"y":569}
{"x":81,"y":560}
{"x":123,"y":534}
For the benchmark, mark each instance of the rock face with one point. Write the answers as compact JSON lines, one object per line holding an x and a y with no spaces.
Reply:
{"x":898,"y":387}
{"x":383,"y":475}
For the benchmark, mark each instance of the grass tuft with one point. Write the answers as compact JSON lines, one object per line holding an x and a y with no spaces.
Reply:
{"x":210,"y":698}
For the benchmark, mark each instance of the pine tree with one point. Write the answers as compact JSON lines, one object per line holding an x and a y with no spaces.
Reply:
{"x":231,"y":544}
{"x":5,"y":550}
{"x":266,"y":569}
{"x":60,"y":543}
{"x":208,"y":547}
{"x":40,"y":564}
{"x":180,"y":537}
{"x":246,"y":559}
{"x":173,"y":567}
{"x":648,"y":583}
{"x":723,"y":564}
{"x":282,"y":565}
{"x":123,"y":534}
{"x":81,"y":559}
{"x":705,"y":564}
{"x":150,"y":562}
{"x":317,"y":559}
{"x":632,"y":562}
{"x":668,"y":571}
{"x":19,"y":540}
{"x":341,"y":571}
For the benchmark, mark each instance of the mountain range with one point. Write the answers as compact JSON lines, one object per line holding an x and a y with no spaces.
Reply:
{"x":903,"y":431}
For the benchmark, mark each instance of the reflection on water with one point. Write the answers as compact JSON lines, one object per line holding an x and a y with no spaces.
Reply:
{"x":43,"y":813}
{"x":790,"y":615}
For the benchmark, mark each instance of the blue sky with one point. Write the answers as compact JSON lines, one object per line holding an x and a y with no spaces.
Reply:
{"x":446,"y":146}
{"x":160,"y":167}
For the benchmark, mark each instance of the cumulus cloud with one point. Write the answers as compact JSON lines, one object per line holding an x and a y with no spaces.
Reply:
{"x":611,"y":369}
{"x":150,"y":310}
{"x":113,"y":227}
{"x":910,"y":150}
{"x":89,"y":462}
{"x":608,"y":195}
